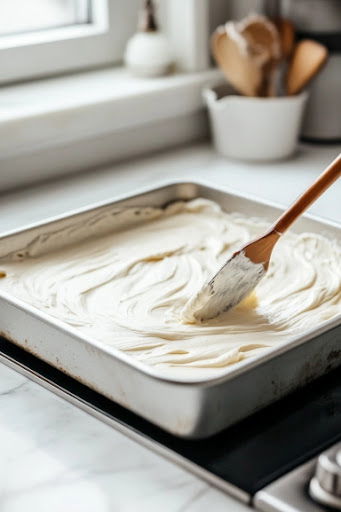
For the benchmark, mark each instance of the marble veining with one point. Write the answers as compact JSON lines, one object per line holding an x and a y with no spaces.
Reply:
{"x":56,"y":457}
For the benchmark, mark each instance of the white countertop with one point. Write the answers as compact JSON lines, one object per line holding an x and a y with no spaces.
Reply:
{"x":54,"y":456}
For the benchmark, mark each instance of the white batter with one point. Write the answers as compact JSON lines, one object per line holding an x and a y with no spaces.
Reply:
{"x":127,"y":289}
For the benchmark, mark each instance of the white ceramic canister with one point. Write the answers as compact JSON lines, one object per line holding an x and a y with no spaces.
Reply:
{"x":254,"y":128}
{"x":148,"y":52}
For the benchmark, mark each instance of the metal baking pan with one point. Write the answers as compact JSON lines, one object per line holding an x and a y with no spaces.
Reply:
{"x":187,"y":409}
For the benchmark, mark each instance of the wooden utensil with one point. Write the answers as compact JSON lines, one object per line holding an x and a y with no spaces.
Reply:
{"x":242,"y":272}
{"x":263,"y":36}
{"x":286,"y":32}
{"x":244,"y":72}
{"x":248,"y":53}
{"x":307,"y":60}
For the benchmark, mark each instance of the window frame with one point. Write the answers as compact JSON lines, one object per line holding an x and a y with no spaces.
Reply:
{"x":101,"y":43}
{"x":61,"y":50}
{"x":186,"y":23}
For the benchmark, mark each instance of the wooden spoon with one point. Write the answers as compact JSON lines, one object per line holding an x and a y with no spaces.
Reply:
{"x":307,"y":60}
{"x":286,"y":32}
{"x":242,"y":70}
{"x":242,"y":272}
{"x":248,"y":53}
{"x":261,"y":32}
{"x":263,"y":36}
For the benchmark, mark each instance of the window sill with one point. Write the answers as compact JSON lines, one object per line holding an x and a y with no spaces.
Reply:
{"x":50,"y":113}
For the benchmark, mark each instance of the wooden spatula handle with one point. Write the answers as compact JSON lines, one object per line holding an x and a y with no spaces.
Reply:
{"x":331,"y":174}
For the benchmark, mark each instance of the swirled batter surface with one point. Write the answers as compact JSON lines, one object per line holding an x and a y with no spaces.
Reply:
{"x":128,"y":288}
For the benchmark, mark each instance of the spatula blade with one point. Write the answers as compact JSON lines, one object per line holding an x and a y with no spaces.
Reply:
{"x":234,"y":281}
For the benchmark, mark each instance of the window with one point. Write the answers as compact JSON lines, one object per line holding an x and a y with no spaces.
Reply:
{"x":41,"y":38}
{"x":50,"y":127}
{"x":42,"y":14}
{"x":44,"y":37}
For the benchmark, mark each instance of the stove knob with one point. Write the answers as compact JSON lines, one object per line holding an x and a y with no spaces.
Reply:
{"x":325,"y":486}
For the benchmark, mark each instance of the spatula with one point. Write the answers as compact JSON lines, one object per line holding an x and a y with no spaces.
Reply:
{"x":307,"y":59}
{"x":243,"y":271}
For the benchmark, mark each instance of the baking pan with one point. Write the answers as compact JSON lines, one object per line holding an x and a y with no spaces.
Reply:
{"x":194,"y":409}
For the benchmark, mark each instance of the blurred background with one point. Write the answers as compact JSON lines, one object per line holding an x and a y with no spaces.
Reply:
{"x":68,"y":82}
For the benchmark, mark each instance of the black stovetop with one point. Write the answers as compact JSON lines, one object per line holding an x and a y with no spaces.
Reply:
{"x":250,"y":454}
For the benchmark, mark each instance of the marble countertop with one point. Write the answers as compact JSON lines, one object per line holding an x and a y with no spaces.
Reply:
{"x":56,"y":457}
